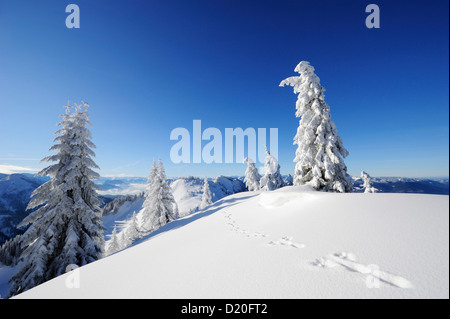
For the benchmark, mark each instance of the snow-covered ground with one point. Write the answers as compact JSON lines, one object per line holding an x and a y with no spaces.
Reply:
{"x":289,"y":243}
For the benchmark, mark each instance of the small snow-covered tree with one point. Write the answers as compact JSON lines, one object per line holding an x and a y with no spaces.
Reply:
{"x":272,"y":178}
{"x":252,"y":177}
{"x":66,"y":228}
{"x":288,"y":181}
{"x":132,"y":230}
{"x":114,"y":244}
{"x":368,"y":188}
{"x":159,"y":207}
{"x":124,"y":242}
{"x":206,"y":197}
{"x":320,"y":152}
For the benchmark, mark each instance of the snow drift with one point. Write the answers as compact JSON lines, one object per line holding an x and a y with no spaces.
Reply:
{"x":289,"y":243}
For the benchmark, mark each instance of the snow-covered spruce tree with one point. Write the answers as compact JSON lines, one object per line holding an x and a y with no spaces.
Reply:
{"x":272,"y":178}
{"x":113,"y":244}
{"x":206,"y":197}
{"x":132,"y":230}
{"x":252,"y":177}
{"x":66,"y":228}
{"x":123,"y":240}
{"x":289,"y":180}
{"x":320,"y":151}
{"x":152,"y":174}
{"x":159,"y":207}
{"x":368,"y":188}
{"x":148,"y":194}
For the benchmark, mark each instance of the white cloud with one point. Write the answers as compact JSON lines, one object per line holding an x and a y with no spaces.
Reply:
{"x":131,"y":189}
{"x":19,"y":159}
{"x":118,"y":175}
{"x":11,"y":169}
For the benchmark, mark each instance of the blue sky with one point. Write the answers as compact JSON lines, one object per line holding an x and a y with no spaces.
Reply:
{"x":147,"y":67}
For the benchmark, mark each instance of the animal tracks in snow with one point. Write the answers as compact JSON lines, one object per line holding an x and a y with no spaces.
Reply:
{"x":286,"y":241}
{"x":236,"y":229}
{"x":343,"y":260}
{"x":374,"y":274}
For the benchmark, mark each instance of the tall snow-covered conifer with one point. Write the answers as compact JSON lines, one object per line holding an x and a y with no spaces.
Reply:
{"x":320,"y":151}
{"x":206,"y":197}
{"x":159,"y":207}
{"x":66,"y":228}
{"x":272,"y":177}
{"x":152,"y":174}
{"x":252,"y":177}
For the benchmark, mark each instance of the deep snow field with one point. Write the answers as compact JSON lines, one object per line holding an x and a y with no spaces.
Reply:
{"x":290,"y":243}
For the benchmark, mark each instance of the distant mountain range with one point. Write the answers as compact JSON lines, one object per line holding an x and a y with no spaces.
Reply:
{"x":437,"y":186}
{"x":15,"y":191}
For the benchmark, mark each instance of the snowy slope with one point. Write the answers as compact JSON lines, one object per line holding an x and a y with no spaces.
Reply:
{"x":188,"y":191}
{"x":290,"y":243}
{"x":188,"y":196}
{"x":124,"y":213}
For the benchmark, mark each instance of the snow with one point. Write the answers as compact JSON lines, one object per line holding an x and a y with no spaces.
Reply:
{"x":187,"y":194}
{"x":125,"y":212}
{"x":290,"y":243}
{"x":5,"y":274}
{"x":320,"y":150}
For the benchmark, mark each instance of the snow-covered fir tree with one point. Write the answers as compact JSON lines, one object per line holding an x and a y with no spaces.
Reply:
{"x":272,"y":177}
{"x":206,"y":197}
{"x":320,"y":152}
{"x":66,"y":228}
{"x":148,"y":195}
{"x":252,"y":177}
{"x":114,"y":244}
{"x":153,"y":172}
{"x":123,"y":240}
{"x":159,"y":207}
{"x":132,"y":231}
{"x":289,"y":180}
{"x":368,"y":188}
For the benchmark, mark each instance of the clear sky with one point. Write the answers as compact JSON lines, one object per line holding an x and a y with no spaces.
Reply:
{"x":147,"y":67}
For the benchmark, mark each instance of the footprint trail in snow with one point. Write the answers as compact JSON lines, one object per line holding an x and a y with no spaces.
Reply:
{"x":236,"y":229}
{"x":348,"y":262}
{"x":344,"y":260}
{"x":286,"y":241}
